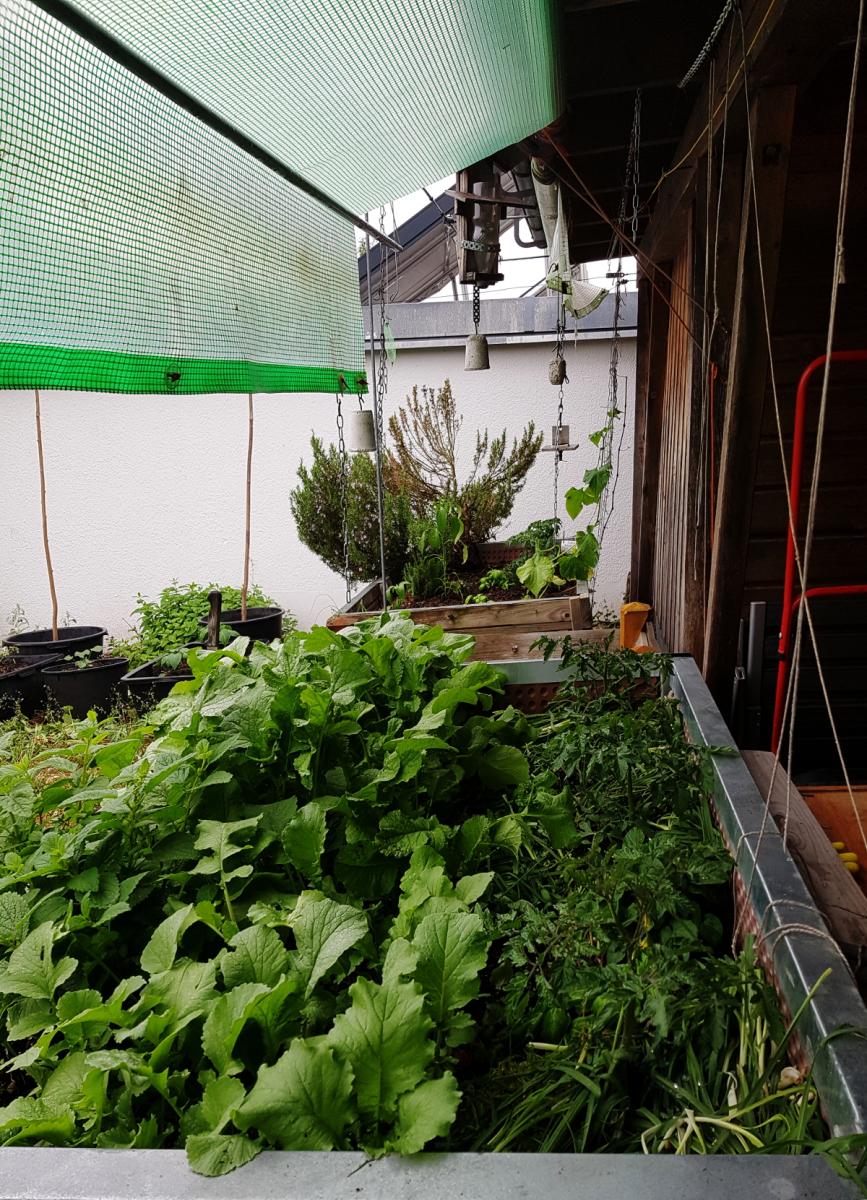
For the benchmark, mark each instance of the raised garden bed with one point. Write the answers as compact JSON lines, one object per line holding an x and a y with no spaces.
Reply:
{"x":402,"y":820}
{"x":502,"y":629}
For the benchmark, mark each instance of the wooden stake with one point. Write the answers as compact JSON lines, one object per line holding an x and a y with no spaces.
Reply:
{"x":245,"y":585}
{"x":54,"y":634}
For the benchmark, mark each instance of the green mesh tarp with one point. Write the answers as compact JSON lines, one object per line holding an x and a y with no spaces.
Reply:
{"x":141,"y":252}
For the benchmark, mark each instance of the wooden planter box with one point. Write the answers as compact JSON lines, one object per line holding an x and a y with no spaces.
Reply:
{"x":502,"y":629}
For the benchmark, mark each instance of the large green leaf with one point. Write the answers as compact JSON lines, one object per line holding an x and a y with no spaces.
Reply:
{"x":31,"y":970}
{"x":503,"y":766}
{"x":385,"y":1036}
{"x":452,"y":951}
{"x":256,"y":955}
{"x":303,"y":1102}
{"x":323,"y":930}
{"x":425,"y":1113}
{"x":222,"y":840}
{"x":218,"y":1153}
{"x":224,"y":1023}
{"x":536,"y":572}
{"x":304,"y":839}
{"x":160,"y":952}
{"x":14,"y":918}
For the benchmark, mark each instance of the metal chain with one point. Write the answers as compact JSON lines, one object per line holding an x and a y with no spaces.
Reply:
{"x":558,"y":355}
{"x":477,"y":307}
{"x":634,"y":145}
{"x":344,"y":490}
{"x":709,"y":43}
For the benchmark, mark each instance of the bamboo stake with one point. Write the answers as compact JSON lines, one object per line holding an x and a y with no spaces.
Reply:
{"x":246,"y":583}
{"x":45,"y":518}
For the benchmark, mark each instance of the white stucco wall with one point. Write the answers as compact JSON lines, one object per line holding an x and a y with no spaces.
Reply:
{"x":142,"y":490}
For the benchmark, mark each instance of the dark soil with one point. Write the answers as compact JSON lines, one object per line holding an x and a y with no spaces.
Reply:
{"x":96,"y":662}
{"x":469,"y":586}
{"x":9,"y":663}
{"x":181,"y":671}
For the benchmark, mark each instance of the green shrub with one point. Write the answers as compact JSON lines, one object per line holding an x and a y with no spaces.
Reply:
{"x":318,"y":512}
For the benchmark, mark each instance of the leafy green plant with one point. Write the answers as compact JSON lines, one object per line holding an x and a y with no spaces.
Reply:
{"x":495,"y":578}
{"x":436,"y":547}
{"x":334,"y":895}
{"x":319,"y":515}
{"x":176,"y":618}
{"x":423,"y":465}
{"x":181,"y":965}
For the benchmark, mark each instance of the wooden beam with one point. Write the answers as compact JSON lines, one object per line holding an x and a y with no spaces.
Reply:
{"x":653,"y":316}
{"x":771,"y":121}
{"x":786,"y":42}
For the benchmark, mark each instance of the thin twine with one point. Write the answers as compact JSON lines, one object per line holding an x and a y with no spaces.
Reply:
{"x":794,"y":675}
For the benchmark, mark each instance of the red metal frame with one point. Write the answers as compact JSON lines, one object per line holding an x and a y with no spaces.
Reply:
{"x":790,"y":599}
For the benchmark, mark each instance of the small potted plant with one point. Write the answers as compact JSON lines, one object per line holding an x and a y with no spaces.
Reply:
{"x":84,"y":681}
{"x":152,"y":681}
{"x":64,"y":639}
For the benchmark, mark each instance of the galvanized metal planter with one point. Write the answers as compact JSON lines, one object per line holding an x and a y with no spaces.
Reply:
{"x":792,"y":940}
{"x":777,"y":899}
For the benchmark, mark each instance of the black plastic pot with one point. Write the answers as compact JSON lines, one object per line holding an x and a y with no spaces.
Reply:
{"x":70,"y":639}
{"x":85,"y":688}
{"x":24,"y":687}
{"x":262,"y":624}
{"x":147,"y":687}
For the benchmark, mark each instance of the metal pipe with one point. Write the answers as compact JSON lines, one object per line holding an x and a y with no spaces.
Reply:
{"x":104,"y":41}
{"x":755,"y":657}
{"x":377,"y":425}
{"x":794,"y":501}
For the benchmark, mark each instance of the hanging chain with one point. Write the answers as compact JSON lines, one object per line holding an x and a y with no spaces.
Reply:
{"x":709,"y":43}
{"x":634,"y":144}
{"x":477,"y":308}
{"x":558,"y":356}
{"x":344,"y":490}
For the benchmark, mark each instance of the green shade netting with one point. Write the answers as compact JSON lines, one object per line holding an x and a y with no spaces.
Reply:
{"x":140,"y":252}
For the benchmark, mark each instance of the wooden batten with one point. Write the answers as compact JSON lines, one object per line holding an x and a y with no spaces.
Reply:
{"x":771,"y":121}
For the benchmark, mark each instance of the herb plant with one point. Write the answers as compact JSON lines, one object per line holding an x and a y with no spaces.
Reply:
{"x":176,"y":618}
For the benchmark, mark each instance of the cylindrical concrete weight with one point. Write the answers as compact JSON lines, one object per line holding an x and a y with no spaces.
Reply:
{"x":476,"y":357}
{"x":360,"y":432}
{"x":557,"y":371}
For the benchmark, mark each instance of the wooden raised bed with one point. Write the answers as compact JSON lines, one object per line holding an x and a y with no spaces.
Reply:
{"x":502,"y":629}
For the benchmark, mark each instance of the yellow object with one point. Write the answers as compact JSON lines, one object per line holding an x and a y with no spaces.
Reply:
{"x":852,"y":866}
{"x":839,"y":845}
{"x":633,"y":618}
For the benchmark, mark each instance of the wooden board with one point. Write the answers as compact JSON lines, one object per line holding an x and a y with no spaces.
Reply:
{"x":558,"y":613}
{"x":837,"y":895}
{"x":498,"y":644}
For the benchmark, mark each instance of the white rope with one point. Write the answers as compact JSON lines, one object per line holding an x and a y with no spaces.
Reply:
{"x":804,"y":613}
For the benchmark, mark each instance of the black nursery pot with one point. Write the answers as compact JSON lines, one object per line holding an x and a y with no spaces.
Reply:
{"x":70,"y":639}
{"x":85,"y":688}
{"x":147,"y":686}
{"x":262,"y":624}
{"x":24,"y":687}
